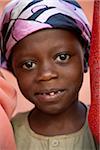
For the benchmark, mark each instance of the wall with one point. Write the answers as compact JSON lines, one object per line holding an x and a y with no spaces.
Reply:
{"x":23,"y":104}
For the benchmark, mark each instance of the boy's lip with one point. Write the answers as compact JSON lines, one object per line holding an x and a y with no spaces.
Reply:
{"x":50,"y":92}
{"x":50,"y":95}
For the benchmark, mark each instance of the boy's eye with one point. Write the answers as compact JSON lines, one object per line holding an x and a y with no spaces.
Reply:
{"x":63,"y":57}
{"x":29,"y":65}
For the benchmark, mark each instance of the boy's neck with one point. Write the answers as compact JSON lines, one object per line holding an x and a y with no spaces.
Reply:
{"x":64,"y":123}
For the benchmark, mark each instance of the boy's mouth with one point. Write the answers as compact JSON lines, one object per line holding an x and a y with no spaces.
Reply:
{"x":50,"y":95}
{"x":51,"y":92}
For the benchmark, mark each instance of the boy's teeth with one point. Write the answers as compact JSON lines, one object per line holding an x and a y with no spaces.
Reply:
{"x":59,"y":92}
{"x":52,"y":93}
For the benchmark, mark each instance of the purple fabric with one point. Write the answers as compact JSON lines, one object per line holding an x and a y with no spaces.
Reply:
{"x":23,"y":17}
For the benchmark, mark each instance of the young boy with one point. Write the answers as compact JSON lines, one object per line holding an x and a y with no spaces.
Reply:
{"x":45,"y":43}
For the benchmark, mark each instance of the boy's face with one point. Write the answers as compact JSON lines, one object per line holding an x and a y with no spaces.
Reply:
{"x":49,"y":68}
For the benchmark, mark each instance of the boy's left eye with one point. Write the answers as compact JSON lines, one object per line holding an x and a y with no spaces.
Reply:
{"x":63,"y":57}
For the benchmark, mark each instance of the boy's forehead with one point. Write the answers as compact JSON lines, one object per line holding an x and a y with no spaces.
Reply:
{"x":49,"y":41}
{"x":53,"y":32}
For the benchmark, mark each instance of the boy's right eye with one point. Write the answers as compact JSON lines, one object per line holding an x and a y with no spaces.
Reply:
{"x":29,"y":65}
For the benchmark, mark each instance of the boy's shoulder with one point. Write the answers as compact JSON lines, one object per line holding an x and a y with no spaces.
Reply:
{"x":19,"y":119}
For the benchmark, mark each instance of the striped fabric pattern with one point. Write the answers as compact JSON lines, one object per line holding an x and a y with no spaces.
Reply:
{"x":23,"y":17}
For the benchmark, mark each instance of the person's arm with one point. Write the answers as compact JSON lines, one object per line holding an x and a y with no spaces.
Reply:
{"x":7,"y":106}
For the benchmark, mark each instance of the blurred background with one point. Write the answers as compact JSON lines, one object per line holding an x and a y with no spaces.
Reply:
{"x":84,"y":96}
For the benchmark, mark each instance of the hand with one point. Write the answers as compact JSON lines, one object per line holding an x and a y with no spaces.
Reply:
{"x":7,"y":106}
{"x":8,"y":96}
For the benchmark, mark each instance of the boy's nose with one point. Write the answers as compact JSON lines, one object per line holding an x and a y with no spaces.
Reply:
{"x":47,"y":72}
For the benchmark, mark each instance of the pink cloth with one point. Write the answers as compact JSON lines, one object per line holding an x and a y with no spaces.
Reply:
{"x":7,"y":106}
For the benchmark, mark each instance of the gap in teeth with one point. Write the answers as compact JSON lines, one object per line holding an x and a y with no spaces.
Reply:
{"x":52,"y":93}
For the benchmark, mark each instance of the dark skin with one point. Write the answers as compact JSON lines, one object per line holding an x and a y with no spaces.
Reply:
{"x":49,"y":67}
{"x":1,"y":75}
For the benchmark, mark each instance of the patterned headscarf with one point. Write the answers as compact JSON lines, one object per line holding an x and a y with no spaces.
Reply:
{"x":23,"y":17}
